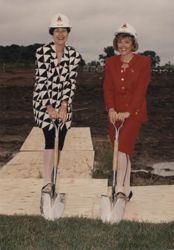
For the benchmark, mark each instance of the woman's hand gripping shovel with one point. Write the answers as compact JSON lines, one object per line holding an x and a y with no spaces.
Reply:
{"x":108,"y":203}
{"x":52,"y":204}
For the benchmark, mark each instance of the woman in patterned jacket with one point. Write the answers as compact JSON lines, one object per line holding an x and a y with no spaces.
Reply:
{"x":56,"y":72}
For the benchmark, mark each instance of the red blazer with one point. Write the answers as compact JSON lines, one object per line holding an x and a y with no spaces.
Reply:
{"x":125,"y":91}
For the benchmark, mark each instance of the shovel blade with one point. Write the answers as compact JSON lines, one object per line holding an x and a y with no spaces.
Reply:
{"x":52,"y":208}
{"x":105,"y":208}
{"x":46,"y":207}
{"x":58,"y":206}
{"x":117,"y":212}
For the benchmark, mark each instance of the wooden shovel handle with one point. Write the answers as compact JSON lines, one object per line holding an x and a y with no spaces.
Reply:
{"x":115,"y":156}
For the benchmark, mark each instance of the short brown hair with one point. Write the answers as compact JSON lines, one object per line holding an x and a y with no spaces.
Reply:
{"x":51,"y":30}
{"x":124,"y":35}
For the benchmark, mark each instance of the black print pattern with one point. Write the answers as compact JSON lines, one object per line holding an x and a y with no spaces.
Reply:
{"x":54,"y":82}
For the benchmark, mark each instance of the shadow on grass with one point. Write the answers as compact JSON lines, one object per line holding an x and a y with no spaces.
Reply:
{"x":33,"y":232}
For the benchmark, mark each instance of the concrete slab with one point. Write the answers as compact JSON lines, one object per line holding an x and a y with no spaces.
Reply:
{"x":76,"y":139}
{"x":73,"y":164}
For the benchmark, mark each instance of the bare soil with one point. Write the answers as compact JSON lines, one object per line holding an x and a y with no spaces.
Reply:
{"x":155,"y":143}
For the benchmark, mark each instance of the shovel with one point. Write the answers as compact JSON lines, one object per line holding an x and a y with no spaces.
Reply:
{"x":52,"y":204}
{"x":108,"y":203}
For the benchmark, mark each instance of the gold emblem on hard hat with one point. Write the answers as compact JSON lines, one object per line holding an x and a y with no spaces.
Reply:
{"x":59,"y":19}
{"x":124,"y":26}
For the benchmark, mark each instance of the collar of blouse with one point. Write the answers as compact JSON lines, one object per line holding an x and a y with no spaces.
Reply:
{"x":65,"y":56}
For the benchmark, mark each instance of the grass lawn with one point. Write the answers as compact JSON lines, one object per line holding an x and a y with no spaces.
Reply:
{"x":35,"y":233}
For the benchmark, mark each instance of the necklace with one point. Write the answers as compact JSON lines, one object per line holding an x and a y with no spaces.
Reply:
{"x":125,"y":63}
{"x":128,"y":60}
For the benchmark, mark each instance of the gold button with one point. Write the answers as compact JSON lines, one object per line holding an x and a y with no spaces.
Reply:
{"x":137,"y":112}
{"x":122,"y":79}
{"x":122,"y":71}
{"x":123,"y":87}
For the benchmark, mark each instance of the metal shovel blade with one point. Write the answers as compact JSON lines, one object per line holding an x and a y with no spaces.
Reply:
{"x":58,"y":206}
{"x":46,"y":209}
{"x":117,"y":212}
{"x":112,"y":211}
{"x":52,"y":207}
{"x":105,"y":208}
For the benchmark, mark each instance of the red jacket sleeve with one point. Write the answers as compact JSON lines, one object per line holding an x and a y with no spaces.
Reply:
{"x":140,"y":91}
{"x":108,"y":88}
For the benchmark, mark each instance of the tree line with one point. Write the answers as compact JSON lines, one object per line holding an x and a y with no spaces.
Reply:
{"x":16,"y":54}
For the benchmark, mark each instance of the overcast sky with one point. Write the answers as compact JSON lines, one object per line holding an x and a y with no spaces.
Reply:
{"x":94,"y":22}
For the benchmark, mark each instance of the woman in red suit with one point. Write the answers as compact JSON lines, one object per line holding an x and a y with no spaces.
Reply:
{"x":127,"y":76}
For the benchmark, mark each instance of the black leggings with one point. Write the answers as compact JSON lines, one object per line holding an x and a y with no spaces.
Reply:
{"x":50,"y":137}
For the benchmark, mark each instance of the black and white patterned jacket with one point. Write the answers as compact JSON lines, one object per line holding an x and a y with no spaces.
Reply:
{"x":54,"y":82}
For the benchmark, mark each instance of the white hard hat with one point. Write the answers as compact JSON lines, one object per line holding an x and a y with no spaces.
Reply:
{"x":127,"y":28}
{"x":60,"y":21}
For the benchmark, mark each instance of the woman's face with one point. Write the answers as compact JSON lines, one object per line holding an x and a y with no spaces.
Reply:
{"x":125,"y":46}
{"x":60,"y":36}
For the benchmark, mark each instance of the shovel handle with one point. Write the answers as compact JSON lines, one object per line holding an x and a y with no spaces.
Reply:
{"x":115,"y":155}
{"x":56,"y":152}
{"x":56,"y":145}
